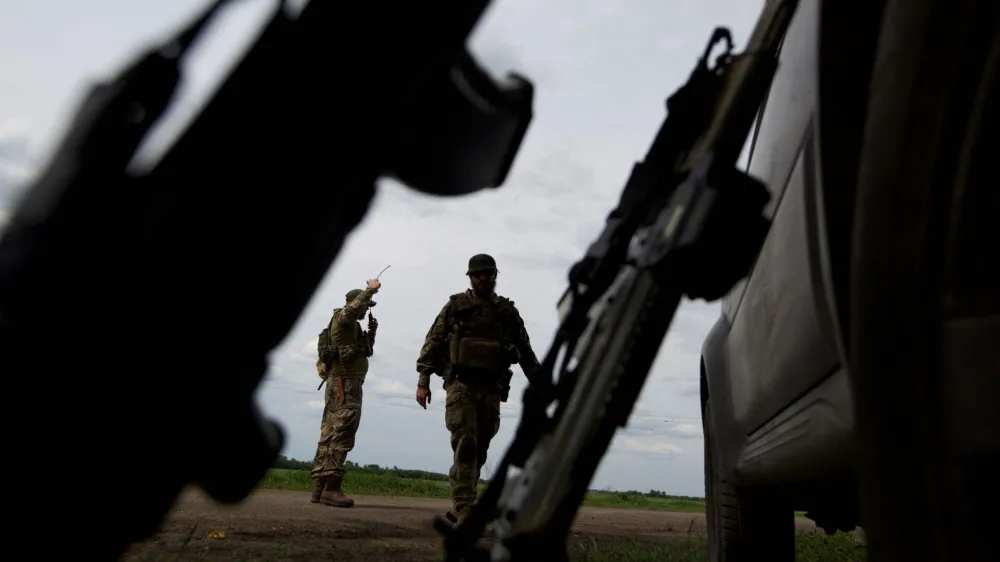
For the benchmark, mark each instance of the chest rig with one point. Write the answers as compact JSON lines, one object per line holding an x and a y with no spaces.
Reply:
{"x":479,"y":334}
{"x":348,"y":349}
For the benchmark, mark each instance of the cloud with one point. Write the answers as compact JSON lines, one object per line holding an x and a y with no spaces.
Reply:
{"x":392,"y":386}
{"x":16,"y":164}
{"x":602,"y":71}
{"x":636,"y":445}
{"x":308,"y":349}
{"x":666,"y":428}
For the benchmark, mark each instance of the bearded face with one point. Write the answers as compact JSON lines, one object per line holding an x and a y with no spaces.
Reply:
{"x":484,"y":282}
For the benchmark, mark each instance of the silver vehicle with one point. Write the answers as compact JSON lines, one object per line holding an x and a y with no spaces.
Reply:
{"x":854,"y":373}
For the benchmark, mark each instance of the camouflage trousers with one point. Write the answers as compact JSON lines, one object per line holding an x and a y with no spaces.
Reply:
{"x":472,"y":416}
{"x":341,"y":418}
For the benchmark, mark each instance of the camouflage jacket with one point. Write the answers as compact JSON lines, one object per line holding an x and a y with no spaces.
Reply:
{"x":344,"y":348}
{"x":468,"y":317}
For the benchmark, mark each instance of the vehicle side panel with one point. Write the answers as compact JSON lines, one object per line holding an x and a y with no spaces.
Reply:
{"x":771,"y":346}
{"x":778,"y":346}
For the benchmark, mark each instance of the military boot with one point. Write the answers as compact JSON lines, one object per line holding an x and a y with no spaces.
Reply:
{"x":333,"y":495}
{"x":456,"y":519}
{"x":456,"y":516}
{"x":318,"y":490}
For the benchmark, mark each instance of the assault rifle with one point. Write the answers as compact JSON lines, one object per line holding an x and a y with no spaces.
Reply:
{"x":688,"y":223}
{"x":153,"y":297}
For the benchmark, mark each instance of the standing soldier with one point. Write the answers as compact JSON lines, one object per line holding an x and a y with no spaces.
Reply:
{"x":474,"y":340}
{"x":344,"y":349}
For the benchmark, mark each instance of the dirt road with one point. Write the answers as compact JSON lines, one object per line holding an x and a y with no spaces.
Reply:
{"x":282,"y":525}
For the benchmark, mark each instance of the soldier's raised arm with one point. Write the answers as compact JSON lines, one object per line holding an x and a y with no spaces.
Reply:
{"x":434,"y":352}
{"x":529,"y":362}
{"x":354,"y":308}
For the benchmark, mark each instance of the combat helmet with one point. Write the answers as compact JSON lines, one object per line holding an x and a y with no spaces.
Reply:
{"x":481,"y":262}
{"x":353,"y":294}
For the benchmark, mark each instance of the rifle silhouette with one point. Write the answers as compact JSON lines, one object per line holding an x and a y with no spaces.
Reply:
{"x":154,"y":298}
{"x":689,"y":222}
{"x":152,"y":282}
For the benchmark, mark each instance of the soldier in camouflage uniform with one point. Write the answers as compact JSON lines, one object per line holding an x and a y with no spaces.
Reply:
{"x":344,"y":349}
{"x":474,"y":340}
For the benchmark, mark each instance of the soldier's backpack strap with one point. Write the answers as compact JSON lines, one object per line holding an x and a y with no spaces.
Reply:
{"x":461,"y":306}
{"x":322,"y":342}
{"x":508,"y":316}
{"x":461,"y":301}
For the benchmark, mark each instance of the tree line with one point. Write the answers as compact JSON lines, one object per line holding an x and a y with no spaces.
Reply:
{"x":293,"y":464}
{"x":286,"y":463}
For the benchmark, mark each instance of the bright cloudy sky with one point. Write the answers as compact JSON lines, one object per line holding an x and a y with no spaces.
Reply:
{"x":602,"y":71}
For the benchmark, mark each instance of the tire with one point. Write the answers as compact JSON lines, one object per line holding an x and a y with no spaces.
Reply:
{"x":744,"y":525}
{"x":925,"y":490}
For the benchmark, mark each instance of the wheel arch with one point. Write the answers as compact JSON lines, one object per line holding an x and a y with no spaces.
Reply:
{"x":715,"y":386}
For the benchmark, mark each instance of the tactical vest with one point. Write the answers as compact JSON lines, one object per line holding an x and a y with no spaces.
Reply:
{"x":351,"y":345}
{"x":480,"y":335}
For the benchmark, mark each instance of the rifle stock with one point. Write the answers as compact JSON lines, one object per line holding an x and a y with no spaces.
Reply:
{"x":162,"y":258}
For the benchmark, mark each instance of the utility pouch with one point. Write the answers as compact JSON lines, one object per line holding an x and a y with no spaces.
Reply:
{"x":505,"y":385}
{"x":453,"y":348}
{"x":481,"y":353}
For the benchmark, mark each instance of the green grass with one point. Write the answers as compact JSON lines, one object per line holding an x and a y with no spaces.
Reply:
{"x":810,"y":548}
{"x":360,"y":483}
{"x":390,"y":485}
{"x":626,"y":500}
{"x":582,"y":548}
{"x":369,"y":484}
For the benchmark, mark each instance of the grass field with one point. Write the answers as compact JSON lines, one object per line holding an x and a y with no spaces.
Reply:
{"x":390,"y":485}
{"x":809,"y":548}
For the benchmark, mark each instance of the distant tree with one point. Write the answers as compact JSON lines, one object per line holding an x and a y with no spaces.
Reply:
{"x":291,"y":464}
{"x":286,"y":463}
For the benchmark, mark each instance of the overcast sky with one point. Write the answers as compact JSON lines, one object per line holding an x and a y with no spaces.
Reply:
{"x":602,"y":72}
